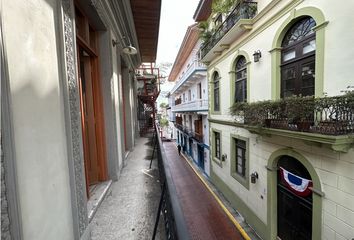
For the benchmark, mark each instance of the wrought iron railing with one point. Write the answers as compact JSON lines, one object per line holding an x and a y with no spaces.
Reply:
{"x":175,"y":224}
{"x":197,"y":136}
{"x":243,"y":10}
{"x":328,"y":115}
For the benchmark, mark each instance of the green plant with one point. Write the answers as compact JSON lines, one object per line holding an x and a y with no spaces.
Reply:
{"x":222,"y":6}
{"x":204,"y":32}
{"x":163,"y":122}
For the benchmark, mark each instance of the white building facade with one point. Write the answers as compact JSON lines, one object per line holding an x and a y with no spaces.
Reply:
{"x":263,"y":52}
{"x":189,"y":101}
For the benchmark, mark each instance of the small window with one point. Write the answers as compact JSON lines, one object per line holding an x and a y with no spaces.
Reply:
{"x":216,"y":92}
{"x":217,"y":145}
{"x":189,"y":95}
{"x":240,"y":166}
{"x":241,"y":80}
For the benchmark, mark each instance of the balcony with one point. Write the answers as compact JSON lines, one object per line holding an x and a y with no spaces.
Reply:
{"x":328,"y":120}
{"x":197,"y":136}
{"x":196,"y":71}
{"x":234,"y":25}
{"x":192,"y":106}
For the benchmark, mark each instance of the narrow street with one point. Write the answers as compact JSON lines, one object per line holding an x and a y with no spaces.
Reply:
{"x":129,"y":209}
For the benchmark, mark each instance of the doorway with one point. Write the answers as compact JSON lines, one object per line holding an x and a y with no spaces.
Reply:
{"x":191,"y":147}
{"x":201,"y":157}
{"x":91,"y":102}
{"x":294,"y":209}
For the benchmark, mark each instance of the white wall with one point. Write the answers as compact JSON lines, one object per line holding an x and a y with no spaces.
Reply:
{"x":38,"y":118}
{"x":334,"y":169}
{"x":338,"y":73}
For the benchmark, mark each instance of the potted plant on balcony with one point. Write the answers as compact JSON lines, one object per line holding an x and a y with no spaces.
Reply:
{"x":335,"y":114}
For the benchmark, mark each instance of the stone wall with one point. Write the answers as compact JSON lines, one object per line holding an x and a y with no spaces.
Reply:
{"x":5,"y":220}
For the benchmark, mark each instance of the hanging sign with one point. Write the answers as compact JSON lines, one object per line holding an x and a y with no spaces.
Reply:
{"x":298,"y":185}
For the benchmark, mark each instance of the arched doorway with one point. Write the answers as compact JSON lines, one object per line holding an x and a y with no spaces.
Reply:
{"x":294,"y":210}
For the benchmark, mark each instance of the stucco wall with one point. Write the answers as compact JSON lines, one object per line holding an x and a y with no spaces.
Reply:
{"x":338,"y":73}
{"x":38,"y":118}
{"x":333,"y":168}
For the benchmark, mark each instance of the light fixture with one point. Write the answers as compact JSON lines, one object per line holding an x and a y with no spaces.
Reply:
{"x":130,"y":50}
{"x":254,"y":177}
{"x":223,"y":157}
{"x":257,"y":55}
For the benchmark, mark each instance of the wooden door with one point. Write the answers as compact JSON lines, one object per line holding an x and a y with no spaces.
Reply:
{"x":88,"y":117}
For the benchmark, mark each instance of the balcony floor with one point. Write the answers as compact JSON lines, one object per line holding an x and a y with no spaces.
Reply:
{"x":129,"y":210}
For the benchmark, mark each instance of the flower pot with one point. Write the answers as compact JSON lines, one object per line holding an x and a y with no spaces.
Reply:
{"x":267,"y":122}
{"x":279,"y":123}
{"x":303,"y":126}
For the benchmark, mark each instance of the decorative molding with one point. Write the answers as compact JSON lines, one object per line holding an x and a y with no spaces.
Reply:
{"x":75,"y":135}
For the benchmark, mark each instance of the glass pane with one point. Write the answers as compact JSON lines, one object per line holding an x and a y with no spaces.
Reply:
{"x":288,"y":73}
{"x":288,"y":93}
{"x":289,"y":55}
{"x":239,"y":169}
{"x":309,"y":47}
{"x":308,"y":70}
{"x":298,"y":31}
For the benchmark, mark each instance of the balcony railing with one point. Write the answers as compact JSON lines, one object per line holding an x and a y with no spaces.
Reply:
{"x":197,"y":136}
{"x":328,"y":115}
{"x":195,"y":66}
{"x":170,"y":206}
{"x":243,"y":10}
{"x":192,"y":106}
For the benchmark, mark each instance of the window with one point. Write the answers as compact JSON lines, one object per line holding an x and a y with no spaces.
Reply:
{"x":199,"y":91}
{"x":189,"y":95}
{"x":241,"y":80}
{"x":240,"y":166}
{"x":217,"y":145}
{"x":298,"y":59}
{"x":216,"y":92}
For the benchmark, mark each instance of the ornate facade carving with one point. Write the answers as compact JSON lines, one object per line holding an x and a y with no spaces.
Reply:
{"x":75,"y":116}
{"x":5,"y":220}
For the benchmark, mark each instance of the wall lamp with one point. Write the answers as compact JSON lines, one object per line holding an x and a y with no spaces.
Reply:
{"x":254,"y":177}
{"x":223,"y":157}
{"x":130,"y":50}
{"x":257,"y":55}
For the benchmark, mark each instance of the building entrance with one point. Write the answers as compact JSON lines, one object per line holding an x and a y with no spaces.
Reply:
{"x":294,"y":200}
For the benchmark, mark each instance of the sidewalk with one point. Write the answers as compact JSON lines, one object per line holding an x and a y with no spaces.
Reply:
{"x":129,"y":210}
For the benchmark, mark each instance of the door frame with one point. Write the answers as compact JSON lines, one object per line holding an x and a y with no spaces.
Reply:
{"x":272,"y":202}
{"x":97,"y":97}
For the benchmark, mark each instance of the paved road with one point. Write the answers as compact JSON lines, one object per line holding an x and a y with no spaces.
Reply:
{"x":205,"y":218}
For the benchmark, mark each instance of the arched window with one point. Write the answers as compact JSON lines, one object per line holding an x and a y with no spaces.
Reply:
{"x":241,"y":80}
{"x":298,"y":59}
{"x":216,"y":79}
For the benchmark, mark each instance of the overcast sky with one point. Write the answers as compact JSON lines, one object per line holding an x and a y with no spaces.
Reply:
{"x":176,"y":16}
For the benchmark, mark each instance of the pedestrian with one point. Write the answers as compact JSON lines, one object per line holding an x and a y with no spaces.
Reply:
{"x":179,"y":149}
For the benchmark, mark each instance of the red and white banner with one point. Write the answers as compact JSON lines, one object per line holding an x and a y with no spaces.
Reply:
{"x":298,"y":185}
